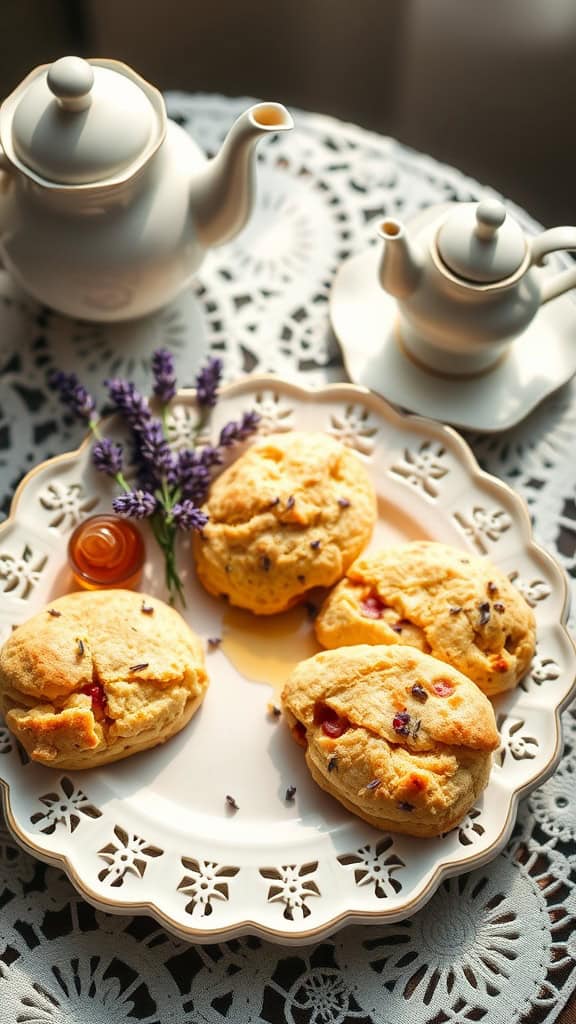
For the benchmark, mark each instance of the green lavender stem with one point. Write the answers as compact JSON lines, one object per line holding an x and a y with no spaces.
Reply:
{"x":165,"y":537}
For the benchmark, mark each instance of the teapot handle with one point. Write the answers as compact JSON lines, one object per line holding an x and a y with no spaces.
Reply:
{"x":552,"y":241}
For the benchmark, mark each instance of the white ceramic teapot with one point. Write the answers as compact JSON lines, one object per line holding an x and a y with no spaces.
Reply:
{"x":107,"y":206}
{"x":466,"y":280}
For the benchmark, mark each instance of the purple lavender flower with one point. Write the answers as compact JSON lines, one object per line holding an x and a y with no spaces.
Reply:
{"x":129,"y":402}
{"x":73,"y":394}
{"x":192,"y":476}
{"x":193,"y":472}
{"x":107,"y":457}
{"x":164,"y":378}
{"x":187,"y":516}
{"x":208,"y":382}
{"x":210,"y":456}
{"x":154,"y":450}
{"x":146,"y":479}
{"x":239,"y":430}
{"x":135,"y":504}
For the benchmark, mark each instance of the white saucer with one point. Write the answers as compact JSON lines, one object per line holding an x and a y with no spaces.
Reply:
{"x":364,"y":320}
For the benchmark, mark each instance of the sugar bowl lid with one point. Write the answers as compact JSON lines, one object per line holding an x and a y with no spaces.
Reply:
{"x":79,"y":122}
{"x":481,"y":243}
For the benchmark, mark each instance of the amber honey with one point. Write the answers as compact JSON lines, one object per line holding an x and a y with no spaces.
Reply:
{"x":266,"y":649}
{"x":106,"y":552}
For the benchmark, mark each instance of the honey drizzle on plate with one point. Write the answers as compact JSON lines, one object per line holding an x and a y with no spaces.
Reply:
{"x":265,"y":649}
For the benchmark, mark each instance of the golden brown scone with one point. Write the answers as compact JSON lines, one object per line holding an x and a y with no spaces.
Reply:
{"x":99,"y":675}
{"x":399,"y":738}
{"x":290,"y":514}
{"x":446,"y":602}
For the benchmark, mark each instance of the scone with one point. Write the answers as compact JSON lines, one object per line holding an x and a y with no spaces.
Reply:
{"x":99,"y":675}
{"x":399,"y":738}
{"x":448,"y":603}
{"x":290,"y":514}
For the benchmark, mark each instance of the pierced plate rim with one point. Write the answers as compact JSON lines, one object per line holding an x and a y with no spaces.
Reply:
{"x":427,"y":429}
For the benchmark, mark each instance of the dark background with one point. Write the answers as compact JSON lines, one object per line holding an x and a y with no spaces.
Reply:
{"x":486,"y":85}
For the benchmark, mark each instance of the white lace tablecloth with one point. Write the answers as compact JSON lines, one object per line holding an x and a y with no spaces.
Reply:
{"x":495,"y":945}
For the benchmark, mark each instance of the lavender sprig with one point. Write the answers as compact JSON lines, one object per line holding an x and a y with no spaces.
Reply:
{"x":164,"y":378}
{"x":208,"y":382}
{"x":73,"y":394}
{"x":192,"y":476}
{"x":234,"y":431}
{"x":188,"y":516}
{"x":128,"y":401}
{"x":171,"y":486}
{"x":154,"y":450}
{"x":192,"y":472}
{"x":107,"y":457}
{"x":135,"y":504}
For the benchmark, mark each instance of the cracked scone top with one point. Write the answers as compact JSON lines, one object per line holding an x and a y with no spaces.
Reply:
{"x":99,"y":675}
{"x":290,"y":514}
{"x":446,"y":602}
{"x":400,"y":739}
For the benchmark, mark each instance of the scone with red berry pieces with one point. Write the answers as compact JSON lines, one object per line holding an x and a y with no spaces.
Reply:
{"x":99,"y":675}
{"x":456,"y":606}
{"x":398,"y":738}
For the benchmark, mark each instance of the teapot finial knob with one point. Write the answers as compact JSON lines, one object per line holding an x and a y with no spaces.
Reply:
{"x":71,"y":80}
{"x":490,"y":215}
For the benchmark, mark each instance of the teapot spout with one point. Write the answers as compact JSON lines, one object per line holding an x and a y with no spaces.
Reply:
{"x":223,"y":193}
{"x":400,"y":266}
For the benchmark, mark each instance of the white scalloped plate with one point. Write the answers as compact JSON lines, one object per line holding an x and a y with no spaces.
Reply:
{"x":152,"y":834}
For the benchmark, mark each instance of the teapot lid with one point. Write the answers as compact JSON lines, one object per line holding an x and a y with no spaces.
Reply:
{"x":481,"y":243}
{"x":76,"y":122}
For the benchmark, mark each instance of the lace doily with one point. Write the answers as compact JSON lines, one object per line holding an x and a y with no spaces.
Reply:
{"x":494,"y":945}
